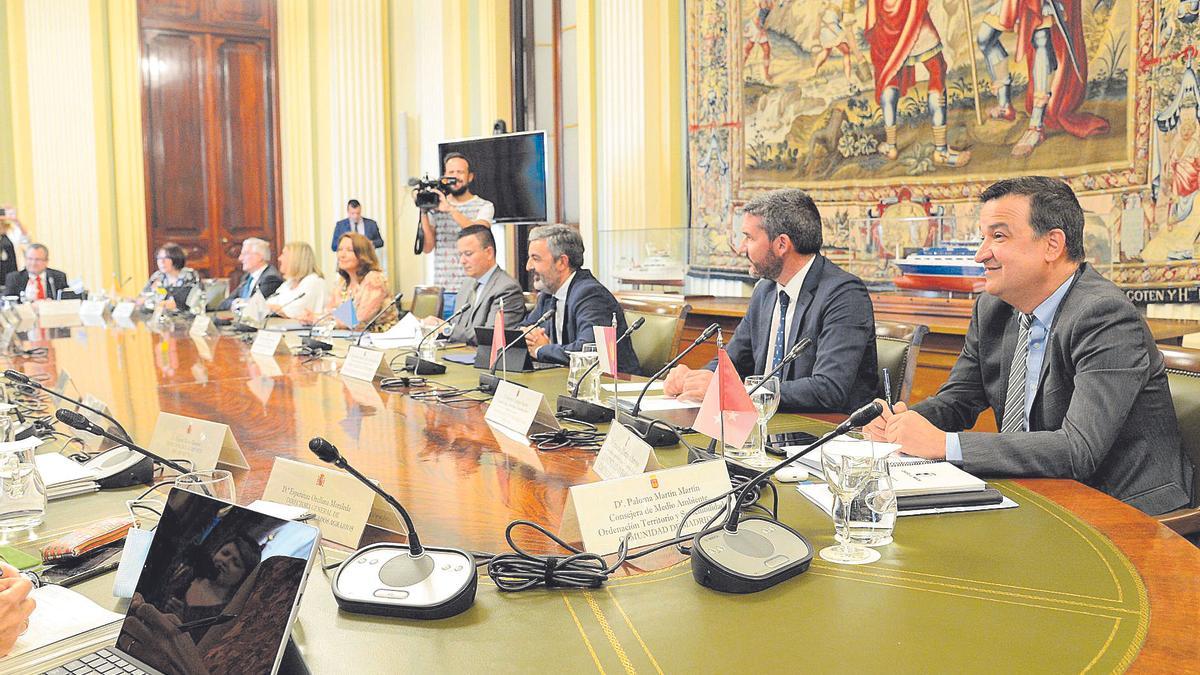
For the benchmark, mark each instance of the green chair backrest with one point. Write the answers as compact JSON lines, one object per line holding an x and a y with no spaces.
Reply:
{"x":654,"y":342}
{"x":1185,"y":393}
{"x":897,"y":346}
{"x":427,"y":301}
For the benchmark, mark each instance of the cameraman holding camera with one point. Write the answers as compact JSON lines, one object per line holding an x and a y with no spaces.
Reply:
{"x":457,"y":208}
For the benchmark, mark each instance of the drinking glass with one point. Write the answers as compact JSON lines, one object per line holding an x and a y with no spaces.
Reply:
{"x":22,"y":492}
{"x":848,"y":468}
{"x":215,"y":483}
{"x":766,"y":402}
{"x":580,"y":362}
{"x":429,"y":347}
{"x":872,"y":513}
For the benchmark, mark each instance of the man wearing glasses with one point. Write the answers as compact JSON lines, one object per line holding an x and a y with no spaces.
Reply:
{"x":38,"y":281}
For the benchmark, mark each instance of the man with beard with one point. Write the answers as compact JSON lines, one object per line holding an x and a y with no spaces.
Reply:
{"x":802,"y":295}
{"x":579,"y":300}
{"x":455,"y":211}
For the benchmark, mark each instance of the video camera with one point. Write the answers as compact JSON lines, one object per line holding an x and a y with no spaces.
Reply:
{"x":425,"y":191}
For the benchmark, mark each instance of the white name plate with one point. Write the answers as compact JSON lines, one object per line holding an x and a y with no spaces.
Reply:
{"x":646,"y":507}
{"x":25,"y":312}
{"x":623,"y":454}
{"x":267,"y":366}
{"x":58,"y":307}
{"x":203,"y":443}
{"x":93,"y":307}
{"x":520,"y":409}
{"x":202,"y":326}
{"x":342,"y":505}
{"x":123,"y":309}
{"x":365,"y":364}
{"x":268,"y":343}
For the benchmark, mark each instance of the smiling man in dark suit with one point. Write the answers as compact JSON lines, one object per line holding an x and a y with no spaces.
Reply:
{"x":801,"y":295}
{"x":38,"y":280}
{"x":1063,"y":358}
{"x":354,"y":222}
{"x":579,"y":299}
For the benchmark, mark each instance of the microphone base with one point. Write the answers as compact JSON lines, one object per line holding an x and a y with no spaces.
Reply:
{"x":316,"y":345}
{"x":759,"y":555}
{"x":654,"y":434}
{"x":489,"y":382}
{"x":385,"y":580}
{"x":584,"y":411}
{"x":419,"y":366}
{"x":244,"y":328}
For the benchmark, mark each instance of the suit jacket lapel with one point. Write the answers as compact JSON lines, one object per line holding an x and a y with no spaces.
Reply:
{"x":1047,"y":352}
{"x":766,"y":309}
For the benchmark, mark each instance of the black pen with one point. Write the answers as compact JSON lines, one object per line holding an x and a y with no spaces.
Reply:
{"x":887,"y":390}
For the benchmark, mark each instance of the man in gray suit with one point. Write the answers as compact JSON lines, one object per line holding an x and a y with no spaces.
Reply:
{"x":802,"y":295}
{"x":487,"y":287}
{"x":1063,"y":358}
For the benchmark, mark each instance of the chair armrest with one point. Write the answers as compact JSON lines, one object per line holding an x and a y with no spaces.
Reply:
{"x":1184,"y":522}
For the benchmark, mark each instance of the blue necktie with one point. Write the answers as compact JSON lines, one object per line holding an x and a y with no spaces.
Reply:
{"x":781,"y":332}
{"x":246,"y":285}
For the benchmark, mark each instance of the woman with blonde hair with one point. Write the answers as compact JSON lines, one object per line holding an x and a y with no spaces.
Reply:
{"x":360,"y":280}
{"x":303,"y":291}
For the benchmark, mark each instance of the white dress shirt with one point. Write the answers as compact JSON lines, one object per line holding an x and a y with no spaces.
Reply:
{"x":561,"y":308}
{"x":793,"y":291}
{"x":292,"y":305}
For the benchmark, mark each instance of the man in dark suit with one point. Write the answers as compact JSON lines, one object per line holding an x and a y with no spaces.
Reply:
{"x":354,"y":222}
{"x":801,"y":295}
{"x":257,"y":274}
{"x":38,"y":281}
{"x":579,"y":300}
{"x":1063,"y":358}
{"x":487,"y":288}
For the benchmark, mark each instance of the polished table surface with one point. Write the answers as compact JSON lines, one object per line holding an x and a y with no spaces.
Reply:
{"x":1072,"y":580}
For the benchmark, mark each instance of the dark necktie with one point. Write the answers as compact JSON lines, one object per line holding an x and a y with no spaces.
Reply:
{"x":1014,"y":403}
{"x":552,"y":329}
{"x":781,"y":332}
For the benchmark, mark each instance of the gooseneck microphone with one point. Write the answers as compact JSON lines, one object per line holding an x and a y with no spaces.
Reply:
{"x":586,"y":411}
{"x":403,"y":580}
{"x":78,"y":421}
{"x":394,"y":303}
{"x":651,"y":430}
{"x":415,"y":363}
{"x":488,"y":381}
{"x":22,"y":379}
{"x":757,"y":553}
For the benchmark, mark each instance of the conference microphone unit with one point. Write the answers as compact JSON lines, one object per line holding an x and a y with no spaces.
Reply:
{"x":394,"y":303}
{"x":488,"y":381}
{"x":24,"y":380}
{"x":651,"y":430}
{"x":415,"y":363}
{"x":77,"y":421}
{"x":409,"y":581}
{"x":756,"y":553}
{"x":586,"y":411}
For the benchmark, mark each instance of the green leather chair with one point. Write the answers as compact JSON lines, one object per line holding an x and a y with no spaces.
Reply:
{"x":1183,"y":376}
{"x":427,"y":301}
{"x":657,"y":341}
{"x":897,"y":345}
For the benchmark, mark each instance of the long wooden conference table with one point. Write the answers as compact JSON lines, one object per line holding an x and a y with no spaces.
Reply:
{"x":1070,"y":581}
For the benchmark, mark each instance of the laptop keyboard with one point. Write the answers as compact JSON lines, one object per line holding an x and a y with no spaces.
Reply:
{"x":102,"y":662}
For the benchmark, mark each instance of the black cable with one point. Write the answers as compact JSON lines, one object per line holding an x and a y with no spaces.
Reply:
{"x":587,"y":438}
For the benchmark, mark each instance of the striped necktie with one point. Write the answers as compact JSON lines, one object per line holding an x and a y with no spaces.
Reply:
{"x":1014,"y":403}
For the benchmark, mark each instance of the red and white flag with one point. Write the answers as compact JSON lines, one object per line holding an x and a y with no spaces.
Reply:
{"x":497,"y":336}
{"x":606,"y":346}
{"x":726,"y":398}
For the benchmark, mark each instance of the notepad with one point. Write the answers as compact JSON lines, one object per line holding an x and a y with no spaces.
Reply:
{"x":64,"y":477}
{"x":61,"y":614}
{"x":932,"y":478}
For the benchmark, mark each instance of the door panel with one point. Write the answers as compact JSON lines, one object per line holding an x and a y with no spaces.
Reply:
{"x":175,"y":139}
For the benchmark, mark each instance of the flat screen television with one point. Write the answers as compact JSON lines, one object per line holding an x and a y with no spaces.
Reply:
{"x":510,"y":172}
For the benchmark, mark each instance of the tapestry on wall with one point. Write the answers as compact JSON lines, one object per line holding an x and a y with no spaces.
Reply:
{"x":895,"y":114}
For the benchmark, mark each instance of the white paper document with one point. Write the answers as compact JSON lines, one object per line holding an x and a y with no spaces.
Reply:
{"x":651,"y":403}
{"x":60,"y":614}
{"x":819,"y":495}
{"x":631,"y":387}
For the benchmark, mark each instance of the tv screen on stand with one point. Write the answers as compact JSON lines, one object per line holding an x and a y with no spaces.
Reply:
{"x":510,"y":172}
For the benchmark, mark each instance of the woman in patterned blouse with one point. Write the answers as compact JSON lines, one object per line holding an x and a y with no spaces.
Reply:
{"x":361,"y":280}
{"x":173,"y":272}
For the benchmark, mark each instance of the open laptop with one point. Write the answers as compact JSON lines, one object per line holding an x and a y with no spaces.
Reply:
{"x":203,"y":547}
{"x":515,"y":360}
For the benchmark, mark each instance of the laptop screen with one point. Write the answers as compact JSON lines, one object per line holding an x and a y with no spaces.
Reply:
{"x":218,"y":589}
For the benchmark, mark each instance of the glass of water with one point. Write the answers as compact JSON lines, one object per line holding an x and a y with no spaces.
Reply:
{"x":22,"y":492}
{"x":764,"y":394}
{"x":848,"y":467}
{"x":215,"y":483}
{"x":872,"y":514}
{"x":585,"y":364}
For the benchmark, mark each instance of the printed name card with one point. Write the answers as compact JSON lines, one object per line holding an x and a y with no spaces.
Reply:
{"x":267,"y":366}
{"x":202,"y":326}
{"x":93,"y":307}
{"x":58,"y":307}
{"x":646,"y":507}
{"x":342,"y":505}
{"x":268,"y":343}
{"x":365,"y":364}
{"x":25,"y":312}
{"x":91,"y":441}
{"x":203,"y":443}
{"x":521,"y":409}
{"x":623,"y":454}
{"x":124,"y":309}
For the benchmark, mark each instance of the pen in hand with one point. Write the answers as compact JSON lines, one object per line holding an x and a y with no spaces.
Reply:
{"x":887,"y":390}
